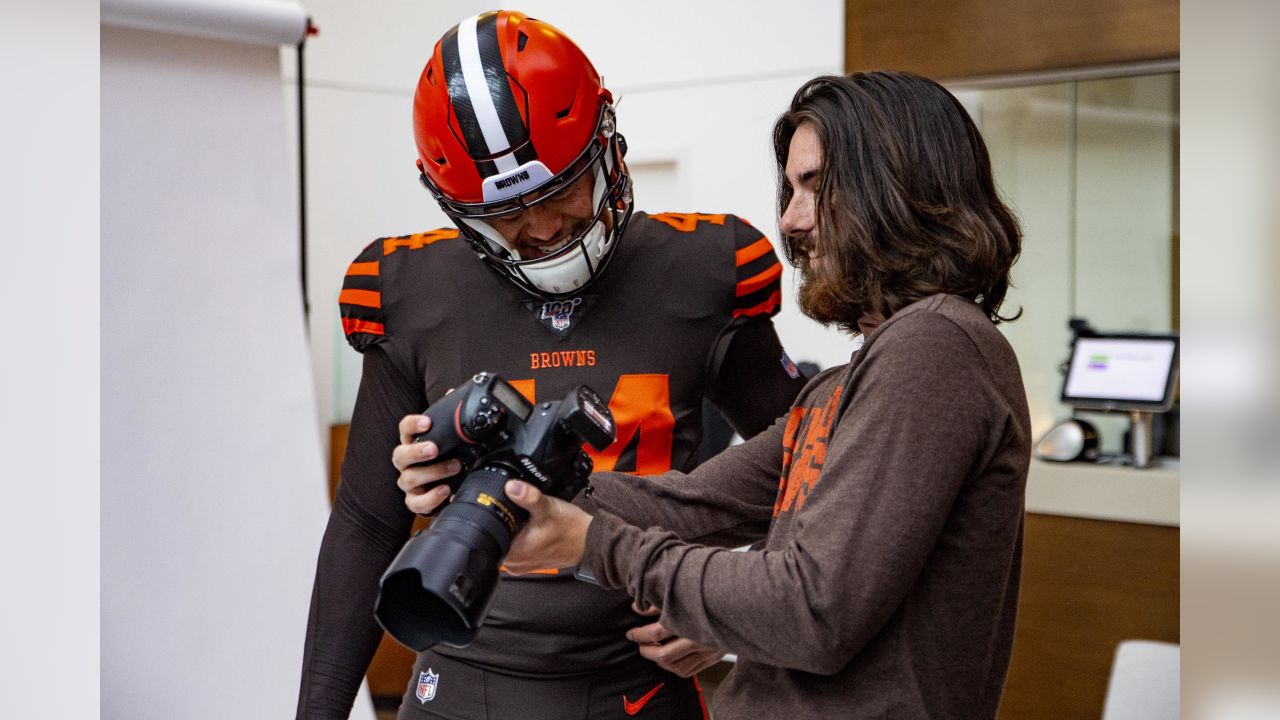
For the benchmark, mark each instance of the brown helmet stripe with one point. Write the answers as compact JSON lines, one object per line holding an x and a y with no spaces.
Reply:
{"x":487,"y":111}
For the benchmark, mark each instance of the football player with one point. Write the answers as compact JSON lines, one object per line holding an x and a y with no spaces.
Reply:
{"x":552,"y":279}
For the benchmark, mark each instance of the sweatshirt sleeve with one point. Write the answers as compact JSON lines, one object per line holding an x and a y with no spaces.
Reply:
{"x":728,"y":500}
{"x":927,"y":414}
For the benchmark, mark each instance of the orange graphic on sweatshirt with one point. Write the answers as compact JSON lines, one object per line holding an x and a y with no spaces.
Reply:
{"x":804,"y":450}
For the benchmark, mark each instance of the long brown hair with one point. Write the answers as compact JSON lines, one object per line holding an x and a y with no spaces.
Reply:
{"x":906,"y":204}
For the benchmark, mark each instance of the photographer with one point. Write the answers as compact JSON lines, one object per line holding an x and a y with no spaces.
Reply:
{"x":518,"y":142}
{"x":887,"y":581}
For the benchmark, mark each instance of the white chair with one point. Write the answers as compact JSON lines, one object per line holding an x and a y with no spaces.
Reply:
{"x":1144,"y":682}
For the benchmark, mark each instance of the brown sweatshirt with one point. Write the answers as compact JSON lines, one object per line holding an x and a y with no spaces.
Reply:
{"x":887,"y":582}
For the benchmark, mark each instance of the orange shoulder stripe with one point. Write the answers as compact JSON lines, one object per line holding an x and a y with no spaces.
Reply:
{"x":352,"y":325}
{"x":767,"y":306}
{"x":752,"y":251}
{"x":363,"y":268}
{"x":363,"y":298}
{"x":750,"y":285}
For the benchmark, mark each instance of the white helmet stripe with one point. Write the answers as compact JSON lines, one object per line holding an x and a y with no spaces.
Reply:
{"x":478,"y":91}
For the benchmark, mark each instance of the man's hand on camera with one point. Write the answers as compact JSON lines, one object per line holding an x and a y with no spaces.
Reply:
{"x":418,"y":475}
{"x":672,"y":653}
{"x":554,"y":536}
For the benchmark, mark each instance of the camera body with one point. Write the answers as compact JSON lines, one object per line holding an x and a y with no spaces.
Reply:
{"x":439,"y":588}
{"x":488,"y":422}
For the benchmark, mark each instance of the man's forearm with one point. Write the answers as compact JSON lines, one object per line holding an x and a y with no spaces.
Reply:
{"x":726,"y":501}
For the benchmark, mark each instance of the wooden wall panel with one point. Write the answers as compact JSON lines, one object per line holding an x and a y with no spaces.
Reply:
{"x":950,"y":39}
{"x":1086,"y":586}
{"x":337,"y":448}
{"x":393,"y":664}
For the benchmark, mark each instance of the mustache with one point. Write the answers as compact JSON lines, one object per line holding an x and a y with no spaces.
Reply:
{"x":565,"y":235}
{"x":798,"y":248}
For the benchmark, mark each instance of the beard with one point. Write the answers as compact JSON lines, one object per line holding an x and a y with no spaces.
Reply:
{"x":823,"y":293}
{"x":820,"y":298}
{"x":815,"y":296}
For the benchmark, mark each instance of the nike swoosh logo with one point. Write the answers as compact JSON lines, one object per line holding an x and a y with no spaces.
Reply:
{"x":634,"y":707}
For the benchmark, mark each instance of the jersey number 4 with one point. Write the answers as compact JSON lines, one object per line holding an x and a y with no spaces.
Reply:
{"x":641,"y":405}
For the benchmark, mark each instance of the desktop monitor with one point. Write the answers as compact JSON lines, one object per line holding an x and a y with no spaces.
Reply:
{"x":1122,"y":372}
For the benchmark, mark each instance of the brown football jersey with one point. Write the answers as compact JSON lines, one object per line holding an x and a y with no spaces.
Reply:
{"x":682,"y":312}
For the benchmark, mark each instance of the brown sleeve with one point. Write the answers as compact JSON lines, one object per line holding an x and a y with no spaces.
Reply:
{"x":927,"y":410}
{"x":750,"y":383}
{"x":746,"y":377}
{"x":726,"y":501}
{"x":368,"y":526}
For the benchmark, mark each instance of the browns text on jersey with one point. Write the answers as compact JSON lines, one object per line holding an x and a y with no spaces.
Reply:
{"x":562,"y":359}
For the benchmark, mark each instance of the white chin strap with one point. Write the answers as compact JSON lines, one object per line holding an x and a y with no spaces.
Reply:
{"x":570,"y":271}
{"x":562,"y":273}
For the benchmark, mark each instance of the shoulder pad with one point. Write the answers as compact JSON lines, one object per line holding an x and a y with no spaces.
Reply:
{"x":759,"y":272}
{"x":360,"y":302}
{"x":758,"y":288}
{"x":417,"y":241}
{"x":689,"y":222}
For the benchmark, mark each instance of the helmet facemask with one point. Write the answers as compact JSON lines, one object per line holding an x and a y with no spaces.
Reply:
{"x":570,"y":269}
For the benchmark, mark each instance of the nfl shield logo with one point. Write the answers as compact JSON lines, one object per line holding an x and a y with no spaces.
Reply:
{"x":560,"y":313}
{"x":792,"y":369}
{"x":427,"y":682}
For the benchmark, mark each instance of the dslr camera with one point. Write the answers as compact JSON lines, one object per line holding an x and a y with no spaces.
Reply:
{"x":440,"y":586}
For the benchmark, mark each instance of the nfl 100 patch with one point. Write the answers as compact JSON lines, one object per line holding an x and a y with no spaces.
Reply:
{"x":559,"y":316}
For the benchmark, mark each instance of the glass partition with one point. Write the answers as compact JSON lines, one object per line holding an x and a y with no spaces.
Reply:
{"x":1091,"y":169}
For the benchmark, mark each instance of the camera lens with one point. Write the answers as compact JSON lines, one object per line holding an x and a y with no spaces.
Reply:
{"x":439,"y":587}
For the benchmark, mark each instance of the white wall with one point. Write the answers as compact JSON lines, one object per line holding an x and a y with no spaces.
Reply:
{"x":49,"y":381}
{"x":699,"y":86}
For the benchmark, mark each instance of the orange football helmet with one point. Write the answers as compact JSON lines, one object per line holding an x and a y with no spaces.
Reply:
{"x":508,"y":112}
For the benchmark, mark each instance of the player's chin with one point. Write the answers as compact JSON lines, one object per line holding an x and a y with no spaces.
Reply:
{"x":537,"y":252}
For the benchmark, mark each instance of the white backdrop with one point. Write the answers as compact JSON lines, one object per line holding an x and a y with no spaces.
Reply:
{"x":213,"y":497}
{"x":48,"y":366}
